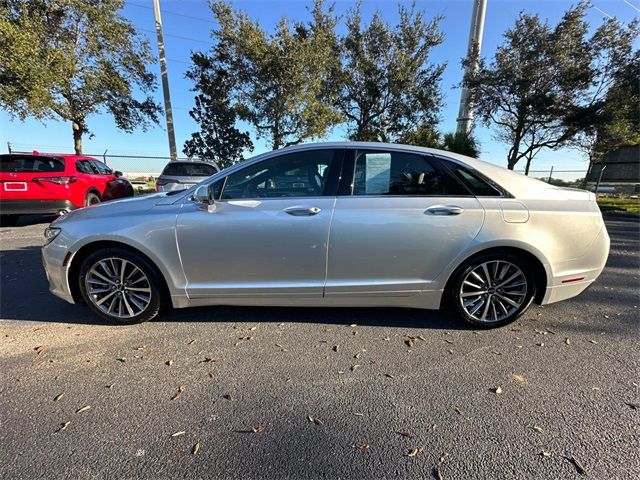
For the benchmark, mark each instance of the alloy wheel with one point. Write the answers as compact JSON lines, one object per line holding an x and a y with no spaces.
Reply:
{"x":118,"y":287}
{"x":493,"y":291}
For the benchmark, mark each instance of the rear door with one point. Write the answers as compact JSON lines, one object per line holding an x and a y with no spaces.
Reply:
{"x":403,"y":218}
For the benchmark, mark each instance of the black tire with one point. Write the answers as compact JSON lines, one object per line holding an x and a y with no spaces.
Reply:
{"x":453,"y":294}
{"x":157,"y":301}
{"x":9,"y":220}
{"x":91,"y":199}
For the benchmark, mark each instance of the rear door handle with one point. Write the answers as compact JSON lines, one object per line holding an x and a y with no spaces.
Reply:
{"x":302,"y":211}
{"x":444,"y":210}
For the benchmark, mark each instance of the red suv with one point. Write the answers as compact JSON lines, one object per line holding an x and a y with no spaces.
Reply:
{"x":55,"y":184}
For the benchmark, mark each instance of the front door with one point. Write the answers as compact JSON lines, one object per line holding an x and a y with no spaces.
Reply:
{"x":267,"y":233}
{"x":406,"y":219}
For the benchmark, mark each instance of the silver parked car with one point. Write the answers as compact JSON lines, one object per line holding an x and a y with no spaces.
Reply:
{"x":180,"y":175}
{"x":335,"y":224}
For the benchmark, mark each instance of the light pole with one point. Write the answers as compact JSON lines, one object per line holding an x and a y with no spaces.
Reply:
{"x":168,"y":112}
{"x":465,"y":113}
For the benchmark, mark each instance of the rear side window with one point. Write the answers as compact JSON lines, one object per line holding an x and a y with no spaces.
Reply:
{"x":182,"y":169}
{"x":30,"y":163}
{"x":402,"y":174}
{"x":474,"y":182}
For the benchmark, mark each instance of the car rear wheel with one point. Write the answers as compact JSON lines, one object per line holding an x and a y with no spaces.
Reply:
{"x":121,"y":286}
{"x":91,"y":199}
{"x":9,"y":220}
{"x":492,"y":290}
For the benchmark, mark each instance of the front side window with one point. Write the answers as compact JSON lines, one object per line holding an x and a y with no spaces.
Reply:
{"x":401,"y":174}
{"x":300,"y":174}
{"x":102,"y":168}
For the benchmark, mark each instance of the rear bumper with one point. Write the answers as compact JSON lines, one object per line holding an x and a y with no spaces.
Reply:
{"x":27,"y":207}
{"x":573,"y":277}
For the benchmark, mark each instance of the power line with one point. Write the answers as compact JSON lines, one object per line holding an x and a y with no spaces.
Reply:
{"x":632,"y":5}
{"x":166,"y":12}
{"x":179,"y":37}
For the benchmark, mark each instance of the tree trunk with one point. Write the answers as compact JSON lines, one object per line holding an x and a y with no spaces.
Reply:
{"x":78,"y":130}
{"x":526,"y":168}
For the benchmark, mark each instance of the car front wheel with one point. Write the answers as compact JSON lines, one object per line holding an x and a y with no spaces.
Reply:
{"x":121,"y":286}
{"x":492,"y":290}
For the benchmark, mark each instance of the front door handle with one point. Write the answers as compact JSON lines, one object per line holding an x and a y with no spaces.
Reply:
{"x":302,"y":211}
{"x":444,"y":210}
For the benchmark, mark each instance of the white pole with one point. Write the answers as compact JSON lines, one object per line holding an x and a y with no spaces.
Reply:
{"x":165,"y":82}
{"x":476,"y":29}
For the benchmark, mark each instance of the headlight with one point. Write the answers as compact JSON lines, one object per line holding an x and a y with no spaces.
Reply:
{"x":50,"y":233}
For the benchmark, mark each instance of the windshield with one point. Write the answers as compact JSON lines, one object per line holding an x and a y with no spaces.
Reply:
{"x":30,"y":163}
{"x":183,"y":169}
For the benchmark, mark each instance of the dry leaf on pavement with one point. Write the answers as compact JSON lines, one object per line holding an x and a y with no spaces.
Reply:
{"x":414,"y":452}
{"x":258,"y":429}
{"x":196,"y":449}
{"x":178,"y":434}
{"x":58,"y":397}
{"x":83,"y":409}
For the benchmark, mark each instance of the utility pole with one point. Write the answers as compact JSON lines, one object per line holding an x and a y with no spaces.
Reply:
{"x":168,"y":112}
{"x":465,"y":113}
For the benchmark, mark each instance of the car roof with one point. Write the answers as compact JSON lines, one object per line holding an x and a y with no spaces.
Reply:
{"x":66,"y":156}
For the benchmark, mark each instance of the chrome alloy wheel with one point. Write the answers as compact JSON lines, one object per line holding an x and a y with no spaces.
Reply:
{"x":118,"y":287}
{"x":493,"y":291}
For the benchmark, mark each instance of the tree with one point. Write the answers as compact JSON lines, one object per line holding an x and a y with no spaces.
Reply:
{"x":423,"y":136}
{"x":70,"y":59}
{"x":282,"y":81}
{"x":545,"y":83}
{"x":388,"y":84}
{"x":218,"y":138}
{"x":462,"y":143}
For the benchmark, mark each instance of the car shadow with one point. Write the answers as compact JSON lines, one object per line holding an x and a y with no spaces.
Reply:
{"x":25,"y":296}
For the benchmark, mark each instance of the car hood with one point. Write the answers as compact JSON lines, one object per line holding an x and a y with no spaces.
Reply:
{"x":138,"y":204}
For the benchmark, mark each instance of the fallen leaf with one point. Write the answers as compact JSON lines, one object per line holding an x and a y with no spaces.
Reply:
{"x":63,"y":426}
{"x":207,"y":360}
{"x":448,"y":341}
{"x":450,"y":352}
{"x":192,"y":342}
{"x":443,"y":457}
{"x":121,"y":359}
{"x":169,"y":363}
{"x":567,"y":341}
{"x":362,"y":446}
{"x":406,"y":434}
{"x":336,"y":348}
{"x":110,"y":386}
{"x":281,"y":347}
{"x":411,"y":341}
{"x":315,"y":420}
{"x":353,"y":367}
{"x":420,"y":337}
{"x":253,"y":328}
{"x":178,"y":434}
{"x":258,"y":429}
{"x":576,"y":463}
{"x":178,"y":393}
{"x":196,"y":448}
{"x":537,"y":429}
{"x":437,"y":473}
{"x":356,"y":356}
{"x":519,"y":378}
{"x":227,"y":397}
{"x":83,"y":409}
{"x":540,"y":344}
{"x":633,"y":406}
{"x":496,"y":390}
{"x":58,"y":397}
{"x":388,"y":375}
{"x":414,"y":452}
{"x":39,"y":349}
{"x":593,"y":341}
{"x":458,"y":411}
{"x":358,"y":414}
{"x":544,"y":453}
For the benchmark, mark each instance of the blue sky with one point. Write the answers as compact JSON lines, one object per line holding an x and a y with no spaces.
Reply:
{"x":187,"y":26}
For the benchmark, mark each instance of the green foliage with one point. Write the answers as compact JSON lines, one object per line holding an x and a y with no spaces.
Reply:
{"x":462,"y":143}
{"x":387,"y":84}
{"x":218,"y":138}
{"x":423,"y":136}
{"x":282,"y":82}
{"x":69,"y":59}
{"x":547,"y":84}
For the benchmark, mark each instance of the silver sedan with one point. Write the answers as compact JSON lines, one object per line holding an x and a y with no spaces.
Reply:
{"x":335,"y":224}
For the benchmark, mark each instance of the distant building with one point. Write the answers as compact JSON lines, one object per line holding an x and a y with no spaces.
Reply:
{"x":623,"y":166}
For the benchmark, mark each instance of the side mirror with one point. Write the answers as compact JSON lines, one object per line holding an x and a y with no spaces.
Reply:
{"x":117,"y":173}
{"x":202,"y":196}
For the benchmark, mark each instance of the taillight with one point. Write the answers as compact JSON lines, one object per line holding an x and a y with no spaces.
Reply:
{"x":161,"y":182}
{"x":57,"y":180}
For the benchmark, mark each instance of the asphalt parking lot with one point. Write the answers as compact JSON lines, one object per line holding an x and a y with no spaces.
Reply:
{"x":319,"y":393}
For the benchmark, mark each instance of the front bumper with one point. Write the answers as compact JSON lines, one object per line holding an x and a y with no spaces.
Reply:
{"x":56,"y":258}
{"x":28,"y":207}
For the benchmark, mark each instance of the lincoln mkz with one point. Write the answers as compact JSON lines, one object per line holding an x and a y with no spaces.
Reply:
{"x":335,"y":224}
